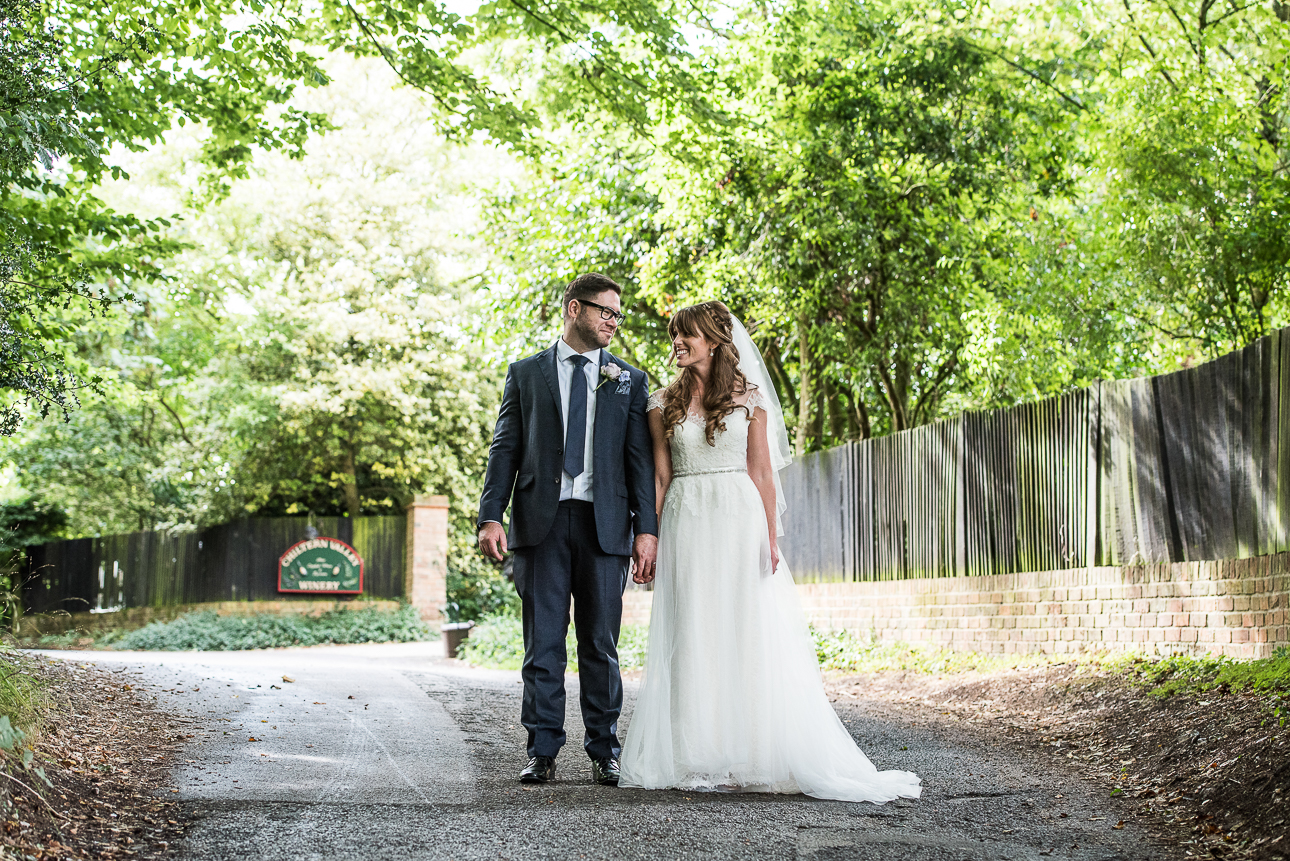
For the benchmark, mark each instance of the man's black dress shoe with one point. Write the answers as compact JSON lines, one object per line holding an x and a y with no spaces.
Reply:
{"x":605,"y":771}
{"x":539,"y":770}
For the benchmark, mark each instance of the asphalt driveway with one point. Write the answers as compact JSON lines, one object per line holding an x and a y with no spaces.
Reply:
{"x":391,"y":752}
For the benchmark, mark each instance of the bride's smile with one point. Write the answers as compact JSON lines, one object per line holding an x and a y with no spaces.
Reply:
{"x":691,"y":351}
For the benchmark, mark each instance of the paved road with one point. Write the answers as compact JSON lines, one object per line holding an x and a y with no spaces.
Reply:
{"x":391,"y":752}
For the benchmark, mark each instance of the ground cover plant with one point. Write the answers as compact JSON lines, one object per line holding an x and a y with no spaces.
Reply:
{"x":206,"y":631}
{"x":1177,"y":674}
{"x":846,"y":651}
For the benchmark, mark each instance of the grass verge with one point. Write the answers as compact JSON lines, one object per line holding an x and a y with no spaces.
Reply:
{"x":1197,"y":674}
{"x":848,"y":652}
{"x":498,"y":643}
{"x":24,"y":695}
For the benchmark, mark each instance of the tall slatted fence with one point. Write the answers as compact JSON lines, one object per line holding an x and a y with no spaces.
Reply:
{"x":234,"y":562}
{"x":1181,"y":467}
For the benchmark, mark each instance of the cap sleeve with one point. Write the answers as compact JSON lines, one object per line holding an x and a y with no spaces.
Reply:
{"x":756,"y":400}
{"x":655,"y":400}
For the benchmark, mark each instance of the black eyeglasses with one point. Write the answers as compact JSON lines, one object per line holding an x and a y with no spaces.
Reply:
{"x":605,"y":313}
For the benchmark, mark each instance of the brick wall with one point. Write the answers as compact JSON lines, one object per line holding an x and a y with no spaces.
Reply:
{"x":1235,"y":607}
{"x":636,"y":606}
{"x":426,"y":572}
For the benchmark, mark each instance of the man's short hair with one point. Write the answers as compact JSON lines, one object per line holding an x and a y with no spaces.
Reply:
{"x":588,"y":286}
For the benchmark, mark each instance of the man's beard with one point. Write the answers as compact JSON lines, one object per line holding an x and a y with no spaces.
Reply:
{"x":590,"y":334}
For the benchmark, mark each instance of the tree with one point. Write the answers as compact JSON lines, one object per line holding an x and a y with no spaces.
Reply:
{"x":1196,"y":142}
{"x":75,"y":80}
{"x":583,"y":208}
{"x":867,"y":204}
{"x":314,"y":349}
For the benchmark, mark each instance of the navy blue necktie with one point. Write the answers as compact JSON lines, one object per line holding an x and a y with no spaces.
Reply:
{"x":575,"y":434}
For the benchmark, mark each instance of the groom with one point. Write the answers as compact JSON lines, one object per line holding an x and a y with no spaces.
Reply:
{"x":572,"y":442}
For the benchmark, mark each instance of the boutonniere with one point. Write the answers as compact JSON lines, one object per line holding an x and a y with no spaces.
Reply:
{"x":613,"y":373}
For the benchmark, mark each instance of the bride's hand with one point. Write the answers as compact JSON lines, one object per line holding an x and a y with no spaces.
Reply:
{"x":774,"y":556}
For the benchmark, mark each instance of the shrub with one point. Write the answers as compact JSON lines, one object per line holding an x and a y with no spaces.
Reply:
{"x":207,"y":631}
{"x":477,"y":590}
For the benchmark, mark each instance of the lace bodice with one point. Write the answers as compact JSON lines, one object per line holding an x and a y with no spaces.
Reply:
{"x":690,"y":450}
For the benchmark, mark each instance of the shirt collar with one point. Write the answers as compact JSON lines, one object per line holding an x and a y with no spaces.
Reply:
{"x":564,"y":351}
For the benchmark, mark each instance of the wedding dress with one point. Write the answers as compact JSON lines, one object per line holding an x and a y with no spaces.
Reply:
{"x":732,"y":695}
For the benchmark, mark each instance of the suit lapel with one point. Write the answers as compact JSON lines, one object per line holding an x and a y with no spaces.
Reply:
{"x":606,"y":401}
{"x":546,"y":361}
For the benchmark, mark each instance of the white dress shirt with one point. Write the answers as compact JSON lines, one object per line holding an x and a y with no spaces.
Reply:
{"x":580,"y":487}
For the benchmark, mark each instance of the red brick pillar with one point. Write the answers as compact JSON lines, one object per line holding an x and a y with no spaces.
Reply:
{"x":425,"y":576}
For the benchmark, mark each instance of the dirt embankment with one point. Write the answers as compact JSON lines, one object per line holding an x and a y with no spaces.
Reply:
{"x":1211,"y":771}
{"x":107,"y":751}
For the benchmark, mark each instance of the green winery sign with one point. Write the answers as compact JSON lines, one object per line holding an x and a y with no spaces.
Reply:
{"x":321,"y":565}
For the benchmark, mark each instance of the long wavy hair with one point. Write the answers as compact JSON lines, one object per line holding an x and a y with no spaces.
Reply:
{"x":713,"y":321}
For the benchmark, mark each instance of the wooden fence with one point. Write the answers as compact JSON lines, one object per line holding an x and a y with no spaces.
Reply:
{"x":1181,"y":467}
{"x":234,"y":562}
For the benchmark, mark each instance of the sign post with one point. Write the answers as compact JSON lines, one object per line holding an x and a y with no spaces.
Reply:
{"x":321,"y":565}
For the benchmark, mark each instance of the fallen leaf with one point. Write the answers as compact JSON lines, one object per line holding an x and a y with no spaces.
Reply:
{"x":288,"y":679}
{"x":1117,"y":826}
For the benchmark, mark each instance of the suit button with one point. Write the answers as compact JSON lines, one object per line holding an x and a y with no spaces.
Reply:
{"x":557,"y":481}
{"x":559,"y":451}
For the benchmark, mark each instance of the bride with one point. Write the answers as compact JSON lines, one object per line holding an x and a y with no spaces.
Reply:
{"x":732,"y":696}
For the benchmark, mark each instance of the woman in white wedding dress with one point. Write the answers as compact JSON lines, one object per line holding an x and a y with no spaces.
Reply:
{"x":732,"y":697}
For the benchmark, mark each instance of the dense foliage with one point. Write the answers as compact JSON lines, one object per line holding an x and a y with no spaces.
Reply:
{"x":309,"y":352}
{"x":925,"y":208}
{"x":273,"y":298}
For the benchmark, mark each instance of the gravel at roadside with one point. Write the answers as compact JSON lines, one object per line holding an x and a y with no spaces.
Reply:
{"x":1208,"y":772}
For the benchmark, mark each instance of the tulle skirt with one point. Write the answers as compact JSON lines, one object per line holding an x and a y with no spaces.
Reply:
{"x":732,"y":696}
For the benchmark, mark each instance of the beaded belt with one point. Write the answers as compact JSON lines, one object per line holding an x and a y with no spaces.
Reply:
{"x":709,"y":471}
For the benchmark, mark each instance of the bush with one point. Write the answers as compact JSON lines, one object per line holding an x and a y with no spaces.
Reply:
{"x":478,"y":589}
{"x":498,"y":642}
{"x":23,"y":522}
{"x":206,"y":631}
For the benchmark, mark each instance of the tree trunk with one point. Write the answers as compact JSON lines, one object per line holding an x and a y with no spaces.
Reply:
{"x":859,"y":418}
{"x":804,"y":393}
{"x":837,"y":412}
{"x":351,"y":485}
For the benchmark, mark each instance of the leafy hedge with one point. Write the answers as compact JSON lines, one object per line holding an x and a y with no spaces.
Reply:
{"x":207,"y":631}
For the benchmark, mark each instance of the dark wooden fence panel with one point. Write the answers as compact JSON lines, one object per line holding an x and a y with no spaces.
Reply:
{"x":1188,"y":466}
{"x":234,"y":562}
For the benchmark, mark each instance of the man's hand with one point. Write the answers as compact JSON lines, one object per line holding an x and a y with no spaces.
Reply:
{"x":492,"y":540}
{"x":644,"y":554}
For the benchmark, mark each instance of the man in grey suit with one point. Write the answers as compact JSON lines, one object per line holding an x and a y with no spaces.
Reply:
{"x":571,"y":453}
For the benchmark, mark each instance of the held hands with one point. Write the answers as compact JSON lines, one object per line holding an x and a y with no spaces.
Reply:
{"x":644,"y":554}
{"x":492,"y":540}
